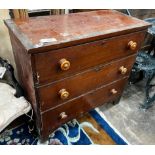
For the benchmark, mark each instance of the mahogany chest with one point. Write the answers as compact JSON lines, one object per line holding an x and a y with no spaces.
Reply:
{"x":70,"y":64}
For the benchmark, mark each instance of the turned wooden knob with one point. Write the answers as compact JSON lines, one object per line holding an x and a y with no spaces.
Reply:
{"x":123,"y":70}
{"x":64,"y":64}
{"x":132,"y":45}
{"x":63,"y":94}
{"x":63,"y":115}
{"x":113,"y":91}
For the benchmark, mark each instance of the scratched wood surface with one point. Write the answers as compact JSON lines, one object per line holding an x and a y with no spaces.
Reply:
{"x":76,"y":26}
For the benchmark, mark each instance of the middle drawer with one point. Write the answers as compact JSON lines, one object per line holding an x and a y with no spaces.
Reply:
{"x":63,"y":90}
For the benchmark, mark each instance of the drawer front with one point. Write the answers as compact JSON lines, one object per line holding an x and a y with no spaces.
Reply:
{"x":74,"y":86}
{"x":55,"y":117}
{"x":58,"y":64}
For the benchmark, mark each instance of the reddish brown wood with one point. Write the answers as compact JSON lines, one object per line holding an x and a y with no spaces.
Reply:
{"x":73,"y":28}
{"x":83,"y":82}
{"x":85,"y":56}
{"x":24,"y":70}
{"x":94,"y":42}
{"x":75,"y":108}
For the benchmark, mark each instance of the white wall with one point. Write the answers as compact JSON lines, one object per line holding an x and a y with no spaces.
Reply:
{"x":5,"y":44}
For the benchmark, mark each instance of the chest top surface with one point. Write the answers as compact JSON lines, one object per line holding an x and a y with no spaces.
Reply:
{"x":61,"y":29}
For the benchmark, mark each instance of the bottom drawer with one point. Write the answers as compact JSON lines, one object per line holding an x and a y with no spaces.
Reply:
{"x":53,"y":118}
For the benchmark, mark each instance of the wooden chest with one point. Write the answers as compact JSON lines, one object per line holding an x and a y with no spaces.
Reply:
{"x":70,"y":64}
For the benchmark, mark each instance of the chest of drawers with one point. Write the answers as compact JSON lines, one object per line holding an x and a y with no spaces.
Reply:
{"x":70,"y":64}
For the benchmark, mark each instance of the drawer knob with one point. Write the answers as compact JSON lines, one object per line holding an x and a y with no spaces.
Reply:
{"x":123,"y":70}
{"x":113,"y":91}
{"x":63,"y":115}
{"x":64,"y":64}
{"x":63,"y":94}
{"x":132,"y":45}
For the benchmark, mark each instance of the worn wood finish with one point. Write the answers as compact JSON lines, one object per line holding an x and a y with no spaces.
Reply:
{"x":95,"y":45}
{"x":49,"y":95}
{"x":74,"y":28}
{"x":80,"y":105}
{"x":86,"y":55}
{"x":24,"y":69}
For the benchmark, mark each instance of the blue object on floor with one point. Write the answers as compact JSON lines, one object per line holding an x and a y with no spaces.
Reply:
{"x":68,"y":134}
{"x":110,"y":131}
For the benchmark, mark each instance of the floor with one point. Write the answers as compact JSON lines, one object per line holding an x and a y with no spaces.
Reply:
{"x":137,"y":126}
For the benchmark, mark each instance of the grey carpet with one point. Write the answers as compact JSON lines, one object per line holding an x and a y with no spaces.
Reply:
{"x":134,"y":124}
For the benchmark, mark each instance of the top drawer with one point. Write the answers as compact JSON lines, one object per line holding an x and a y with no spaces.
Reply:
{"x":51,"y":66}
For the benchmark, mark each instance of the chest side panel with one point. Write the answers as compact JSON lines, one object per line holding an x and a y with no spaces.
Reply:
{"x":25,"y":74}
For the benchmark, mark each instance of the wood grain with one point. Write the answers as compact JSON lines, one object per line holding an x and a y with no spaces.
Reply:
{"x":25,"y":75}
{"x":75,"y":28}
{"x":83,"y":82}
{"x":83,"y":56}
{"x":51,"y":119}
